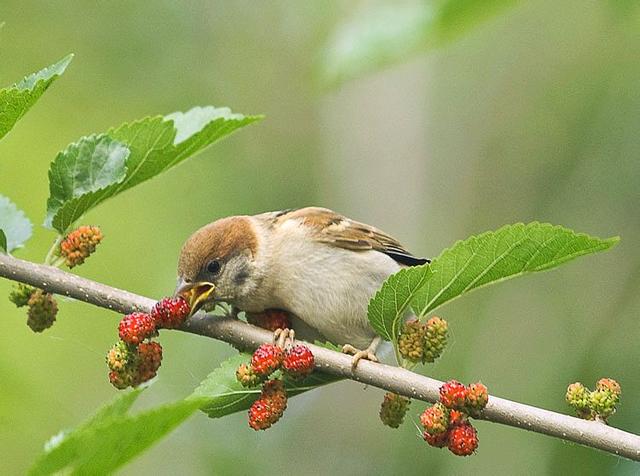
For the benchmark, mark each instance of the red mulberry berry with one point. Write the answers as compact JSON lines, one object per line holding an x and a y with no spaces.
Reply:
{"x":266,"y":359}
{"x":298,"y":361}
{"x":268,"y":409}
{"x":170,"y":313}
{"x":456,"y":417}
{"x":149,"y":361}
{"x":136,"y":327}
{"x":463,"y":440}
{"x":271,"y":319}
{"x":453,"y":395}
{"x":438,"y":440}
{"x":260,"y":415}
{"x":275,"y":393}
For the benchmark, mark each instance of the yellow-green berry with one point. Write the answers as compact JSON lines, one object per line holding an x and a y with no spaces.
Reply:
{"x":121,"y":356}
{"x":247,"y":377}
{"x":20,"y":294}
{"x":477,"y":398}
{"x":393,"y":409}
{"x":411,"y":341}
{"x":435,"y":338}
{"x":603,"y":402}
{"x":577,"y":396}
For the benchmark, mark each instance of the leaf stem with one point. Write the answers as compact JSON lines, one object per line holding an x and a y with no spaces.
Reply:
{"x":51,"y":254}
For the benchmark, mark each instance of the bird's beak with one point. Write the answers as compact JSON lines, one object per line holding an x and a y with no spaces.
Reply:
{"x":196,"y":294}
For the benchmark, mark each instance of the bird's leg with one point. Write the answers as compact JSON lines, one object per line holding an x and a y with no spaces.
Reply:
{"x":283,"y":337}
{"x":368,"y":354}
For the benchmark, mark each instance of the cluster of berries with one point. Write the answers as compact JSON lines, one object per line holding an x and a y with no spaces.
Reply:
{"x":135,"y":358}
{"x":423,"y":342}
{"x":43,"y":307}
{"x":73,"y":250}
{"x":271,"y":319}
{"x":446,"y":423}
{"x":131,"y":365}
{"x":296,"y":362}
{"x":597,"y":404}
{"x":79,"y":244}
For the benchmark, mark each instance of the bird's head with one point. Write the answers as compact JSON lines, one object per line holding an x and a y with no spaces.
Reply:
{"x":217,"y":263}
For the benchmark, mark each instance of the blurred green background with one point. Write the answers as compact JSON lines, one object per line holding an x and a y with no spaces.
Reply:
{"x":533,"y":115}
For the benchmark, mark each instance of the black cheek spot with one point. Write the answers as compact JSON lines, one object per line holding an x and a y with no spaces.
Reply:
{"x":240,"y":277}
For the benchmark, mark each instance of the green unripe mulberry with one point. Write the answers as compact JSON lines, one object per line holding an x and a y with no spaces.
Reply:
{"x":21,"y":294}
{"x":42,"y":310}
{"x":393,"y":409}
{"x":435,"y":338}
{"x":603,"y":402}
{"x":411,"y":341}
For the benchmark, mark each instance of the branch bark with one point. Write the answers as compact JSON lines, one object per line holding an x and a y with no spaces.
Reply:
{"x":588,"y":433}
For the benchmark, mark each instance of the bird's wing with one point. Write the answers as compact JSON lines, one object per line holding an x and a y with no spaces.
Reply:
{"x":334,"y":229}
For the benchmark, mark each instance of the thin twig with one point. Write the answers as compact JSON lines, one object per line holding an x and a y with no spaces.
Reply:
{"x":588,"y":433}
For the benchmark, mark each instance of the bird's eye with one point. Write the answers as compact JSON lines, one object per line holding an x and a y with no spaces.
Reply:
{"x":213,"y":266}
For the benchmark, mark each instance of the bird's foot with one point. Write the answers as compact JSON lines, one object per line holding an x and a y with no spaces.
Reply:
{"x":283,"y":337}
{"x":358,"y":355}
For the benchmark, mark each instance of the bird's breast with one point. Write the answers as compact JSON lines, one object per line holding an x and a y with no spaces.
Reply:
{"x":329,"y":288}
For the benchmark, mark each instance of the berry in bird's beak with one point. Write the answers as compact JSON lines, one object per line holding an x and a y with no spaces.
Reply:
{"x":196,"y":294}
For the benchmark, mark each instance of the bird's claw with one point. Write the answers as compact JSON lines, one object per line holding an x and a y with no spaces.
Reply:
{"x":358,"y":355}
{"x":283,"y":337}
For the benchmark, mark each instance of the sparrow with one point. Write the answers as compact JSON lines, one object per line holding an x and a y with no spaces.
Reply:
{"x":320,"y":267}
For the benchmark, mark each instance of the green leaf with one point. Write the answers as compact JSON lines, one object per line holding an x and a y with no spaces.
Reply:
{"x":79,"y":179}
{"x":494,"y":256}
{"x":62,"y":449}
{"x":390,"y":303}
{"x":223,"y":394}
{"x":328,"y":345}
{"x":511,"y":251}
{"x":112,"y":437}
{"x":15,"y":227}
{"x":83,"y":175}
{"x":17,"y":99}
{"x":119,"y":406}
{"x":384,"y":34}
